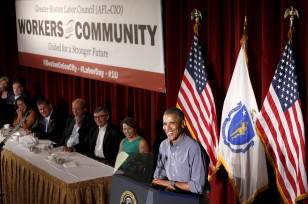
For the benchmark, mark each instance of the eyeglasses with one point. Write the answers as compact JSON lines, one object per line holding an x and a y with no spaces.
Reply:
{"x":99,"y":117}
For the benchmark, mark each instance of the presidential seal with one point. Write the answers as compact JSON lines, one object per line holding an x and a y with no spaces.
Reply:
{"x":128,"y":197}
{"x":238,"y":129}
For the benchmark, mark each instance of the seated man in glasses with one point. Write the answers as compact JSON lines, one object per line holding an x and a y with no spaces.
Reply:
{"x":104,"y":138}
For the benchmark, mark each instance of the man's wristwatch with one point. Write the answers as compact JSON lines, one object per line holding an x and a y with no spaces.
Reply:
{"x":172,"y":183}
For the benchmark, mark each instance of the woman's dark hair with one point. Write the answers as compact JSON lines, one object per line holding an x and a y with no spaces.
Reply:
{"x":26,"y":101}
{"x":130,"y":122}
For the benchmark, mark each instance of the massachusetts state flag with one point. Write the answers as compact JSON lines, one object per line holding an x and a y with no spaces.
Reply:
{"x":281,"y":128}
{"x":196,"y":100}
{"x":240,"y":149}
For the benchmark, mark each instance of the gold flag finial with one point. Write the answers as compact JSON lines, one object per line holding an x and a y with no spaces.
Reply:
{"x":197,"y":16}
{"x":291,"y":12}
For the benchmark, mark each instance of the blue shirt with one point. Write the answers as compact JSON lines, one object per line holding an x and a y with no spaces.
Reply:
{"x":74,"y":138}
{"x":186,"y":161}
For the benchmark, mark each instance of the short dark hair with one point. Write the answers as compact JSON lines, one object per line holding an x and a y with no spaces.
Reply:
{"x":130,"y":122}
{"x":26,"y":101}
{"x":43,"y":100}
{"x":18,"y":82}
{"x":99,"y":109}
{"x":176,"y":111}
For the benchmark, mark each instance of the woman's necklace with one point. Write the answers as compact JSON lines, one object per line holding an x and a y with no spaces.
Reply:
{"x":132,"y":138}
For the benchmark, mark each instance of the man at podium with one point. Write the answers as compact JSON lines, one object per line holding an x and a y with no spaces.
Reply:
{"x":182,"y":162}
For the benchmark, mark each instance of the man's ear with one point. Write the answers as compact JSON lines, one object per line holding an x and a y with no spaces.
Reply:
{"x":183,"y":124}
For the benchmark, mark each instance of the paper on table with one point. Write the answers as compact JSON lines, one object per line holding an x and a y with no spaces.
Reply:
{"x":70,"y":164}
{"x":122,"y":156}
{"x":27,"y":141}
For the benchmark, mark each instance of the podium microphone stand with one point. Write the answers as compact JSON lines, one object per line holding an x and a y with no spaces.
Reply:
{"x":1,"y":148}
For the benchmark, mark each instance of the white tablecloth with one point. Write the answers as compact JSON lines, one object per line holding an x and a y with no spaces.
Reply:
{"x":86,"y":168}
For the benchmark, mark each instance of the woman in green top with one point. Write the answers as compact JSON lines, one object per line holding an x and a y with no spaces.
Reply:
{"x":133,"y":142}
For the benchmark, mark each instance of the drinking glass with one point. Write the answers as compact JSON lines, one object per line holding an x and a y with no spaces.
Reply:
{"x":50,"y":148}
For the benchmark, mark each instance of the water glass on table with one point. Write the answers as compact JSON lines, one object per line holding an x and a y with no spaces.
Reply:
{"x":35,"y":137}
{"x":50,"y":148}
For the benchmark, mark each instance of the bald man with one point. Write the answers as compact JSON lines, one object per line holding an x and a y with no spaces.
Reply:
{"x":77,"y":127}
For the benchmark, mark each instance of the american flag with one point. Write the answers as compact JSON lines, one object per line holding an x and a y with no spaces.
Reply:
{"x":196,"y":100}
{"x":281,"y":128}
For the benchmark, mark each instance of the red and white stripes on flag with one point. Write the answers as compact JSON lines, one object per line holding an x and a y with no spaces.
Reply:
{"x":281,"y":127}
{"x":196,"y":100}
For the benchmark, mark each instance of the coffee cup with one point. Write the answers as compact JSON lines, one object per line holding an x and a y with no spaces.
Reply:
{"x":7,"y":126}
{"x":15,"y":137}
{"x":51,"y":157}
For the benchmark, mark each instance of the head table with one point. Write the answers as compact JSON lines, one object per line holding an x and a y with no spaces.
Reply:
{"x":34,"y":177}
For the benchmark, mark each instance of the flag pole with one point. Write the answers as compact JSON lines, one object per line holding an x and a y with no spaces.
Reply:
{"x":196,"y":100}
{"x":197,"y":16}
{"x":244,"y":39}
{"x":245,"y":26}
{"x":292,"y":12}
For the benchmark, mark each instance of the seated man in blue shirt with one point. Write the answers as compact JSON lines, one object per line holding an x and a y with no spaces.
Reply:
{"x":77,"y":127}
{"x":182,"y":162}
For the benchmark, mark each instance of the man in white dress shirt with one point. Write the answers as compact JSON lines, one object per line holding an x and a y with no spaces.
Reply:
{"x":103,"y":139}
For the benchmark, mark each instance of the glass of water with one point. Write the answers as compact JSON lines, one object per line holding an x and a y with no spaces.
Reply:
{"x":50,"y":148}
{"x":35,"y":137}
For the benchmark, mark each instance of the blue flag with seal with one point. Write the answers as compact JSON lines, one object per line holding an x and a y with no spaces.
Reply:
{"x":240,"y":149}
{"x":238,"y":129}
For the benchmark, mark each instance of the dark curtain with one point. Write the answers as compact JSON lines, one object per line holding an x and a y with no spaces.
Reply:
{"x":220,"y":33}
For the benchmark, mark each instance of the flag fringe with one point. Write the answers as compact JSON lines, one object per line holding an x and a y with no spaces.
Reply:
{"x":244,"y":45}
{"x":271,"y":160}
{"x":301,"y":197}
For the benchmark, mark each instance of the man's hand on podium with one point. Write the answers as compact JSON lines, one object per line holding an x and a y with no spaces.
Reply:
{"x":165,"y":183}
